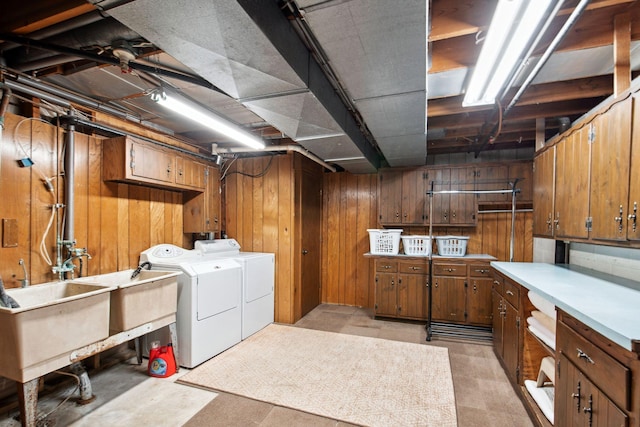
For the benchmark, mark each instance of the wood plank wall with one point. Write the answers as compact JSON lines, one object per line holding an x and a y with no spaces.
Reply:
{"x":115,"y":222}
{"x":350,"y":207}
{"x":259,"y":213}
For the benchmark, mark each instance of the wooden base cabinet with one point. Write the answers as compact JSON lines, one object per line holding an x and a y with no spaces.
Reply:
{"x":594,"y":378}
{"x":461,"y":291}
{"x":401,"y":288}
{"x":507,"y":337}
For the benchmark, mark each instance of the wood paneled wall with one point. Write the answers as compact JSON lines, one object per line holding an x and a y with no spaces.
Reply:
{"x":350,"y":207}
{"x":258,"y":205}
{"x":115,"y":222}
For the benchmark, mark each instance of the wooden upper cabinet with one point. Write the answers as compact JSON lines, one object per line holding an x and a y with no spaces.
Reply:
{"x":572,"y":185}
{"x":492,"y":178}
{"x":610,"y":153}
{"x":440,"y":177}
{"x":633,"y":208}
{"x":413,"y":196}
{"x":390,"y":197}
{"x":202,"y":210}
{"x":190,"y":173}
{"x":523,"y":173}
{"x":131,"y":160}
{"x":463,"y":207}
{"x":543,"y":192}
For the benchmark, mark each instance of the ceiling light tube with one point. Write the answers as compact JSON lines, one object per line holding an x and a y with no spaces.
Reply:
{"x":513,"y":27}
{"x":208,"y":119}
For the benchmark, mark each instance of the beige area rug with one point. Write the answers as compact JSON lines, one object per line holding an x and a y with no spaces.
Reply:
{"x":360,"y":380}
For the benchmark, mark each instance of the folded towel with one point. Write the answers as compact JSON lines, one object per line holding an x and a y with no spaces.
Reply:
{"x":545,"y":335}
{"x":545,"y":306}
{"x":547,"y":321}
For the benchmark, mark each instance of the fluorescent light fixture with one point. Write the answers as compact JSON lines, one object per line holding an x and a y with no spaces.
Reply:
{"x":208,"y":119}
{"x":514,"y":25}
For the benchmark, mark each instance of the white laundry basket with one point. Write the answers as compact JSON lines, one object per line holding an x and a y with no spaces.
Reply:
{"x":416,"y":245}
{"x":454,"y":246}
{"x":384,"y":242}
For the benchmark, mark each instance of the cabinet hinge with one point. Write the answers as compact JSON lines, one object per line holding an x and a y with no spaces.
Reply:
{"x":466,"y":285}
{"x":518,"y":374}
{"x":376,"y":279}
{"x":592,"y":133}
{"x":558,"y":368}
{"x":518,"y":322}
{"x":206,"y":172}
{"x":588,"y":223}
{"x":375,"y":306}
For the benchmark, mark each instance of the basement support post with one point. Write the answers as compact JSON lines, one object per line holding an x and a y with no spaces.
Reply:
{"x":621,"y":53}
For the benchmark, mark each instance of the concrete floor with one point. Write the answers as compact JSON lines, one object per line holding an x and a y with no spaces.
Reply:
{"x":126,"y":396}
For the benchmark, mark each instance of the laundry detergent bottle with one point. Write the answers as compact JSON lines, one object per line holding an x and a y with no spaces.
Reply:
{"x":162,"y":362}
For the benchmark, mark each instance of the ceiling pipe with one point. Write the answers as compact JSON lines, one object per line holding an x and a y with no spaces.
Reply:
{"x":161,"y":71}
{"x":287,"y":148}
{"x":54,"y":30}
{"x":552,"y":47}
{"x":541,"y":62}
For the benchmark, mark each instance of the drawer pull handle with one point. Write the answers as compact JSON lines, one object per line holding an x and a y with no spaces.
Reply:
{"x":495,"y":282}
{"x":585,"y":356}
{"x":450,"y":270}
{"x":509,"y":292}
{"x":482,"y":271}
{"x":387,"y":267}
{"x":416,"y":268}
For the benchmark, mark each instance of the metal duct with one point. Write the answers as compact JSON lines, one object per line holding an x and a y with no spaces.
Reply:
{"x":252,"y":53}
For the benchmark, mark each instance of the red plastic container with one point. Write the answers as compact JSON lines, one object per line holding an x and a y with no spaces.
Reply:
{"x":162,"y":362}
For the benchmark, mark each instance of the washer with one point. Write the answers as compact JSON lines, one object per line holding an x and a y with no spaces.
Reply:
{"x":209,"y":313}
{"x":258,"y":281}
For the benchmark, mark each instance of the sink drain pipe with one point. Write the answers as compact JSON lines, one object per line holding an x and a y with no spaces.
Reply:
{"x":84,"y":383}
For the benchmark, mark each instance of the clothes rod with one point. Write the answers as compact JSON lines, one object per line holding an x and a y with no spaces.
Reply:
{"x":517,"y":190}
{"x":504,"y":211}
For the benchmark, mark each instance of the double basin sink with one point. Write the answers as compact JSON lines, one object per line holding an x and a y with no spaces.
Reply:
{"x":58,"y":317}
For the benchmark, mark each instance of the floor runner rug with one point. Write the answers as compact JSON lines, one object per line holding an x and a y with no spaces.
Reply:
{"x":360,"y":380}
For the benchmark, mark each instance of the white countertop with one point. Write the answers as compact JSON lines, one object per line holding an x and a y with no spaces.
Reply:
{"x":608,"y":304}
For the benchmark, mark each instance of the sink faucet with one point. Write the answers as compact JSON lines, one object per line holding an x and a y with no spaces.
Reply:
{"x":68,"y":265}
{"x":139,"y":269}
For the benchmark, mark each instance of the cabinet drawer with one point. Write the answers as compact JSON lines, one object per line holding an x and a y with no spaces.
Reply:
{"x":413,"y":267}
{"x":512,"y":293}
{"x":498,"y":283}
{"x":385,"y":266}
{"x":479,"y":270}
{"x":612,"y":377}
{"x":449,"y":270}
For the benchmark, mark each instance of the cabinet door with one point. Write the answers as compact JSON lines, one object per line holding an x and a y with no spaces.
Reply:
{"x":579,"y":402}
{"x":479,"y":310}
{"x":390,"y":200}
{"x":463,"y":207}
{"x":190,"y":173}
{"x":498,"y":322}
{"x":544,"y":169}
{"x":449,"y":296}
{"x":412,"y":296}
{"x":572,"y":185}
{"x":441,"y":181}
{"x":149,"y":162}
{"x":511,"y":341}
{"x":610,"y":152}
{"x":385,"y":294}
{"x":413,"y":196}
{"x":633,"y":227}
{"x":523,"y":172}
{"x":492,"y":178}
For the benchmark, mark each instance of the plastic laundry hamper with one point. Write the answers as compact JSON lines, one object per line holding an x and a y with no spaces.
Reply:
{"x":384,"y":242}
{"x":453,"y":246}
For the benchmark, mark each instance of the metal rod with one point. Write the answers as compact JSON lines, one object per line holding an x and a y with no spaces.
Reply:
{"x":513,"y":220}
{"x":504,"y":211}
{"x":545,"y":56}
{"x":472,"y":191}
{"x":69,"y":175}
{"x":430,"y":280}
